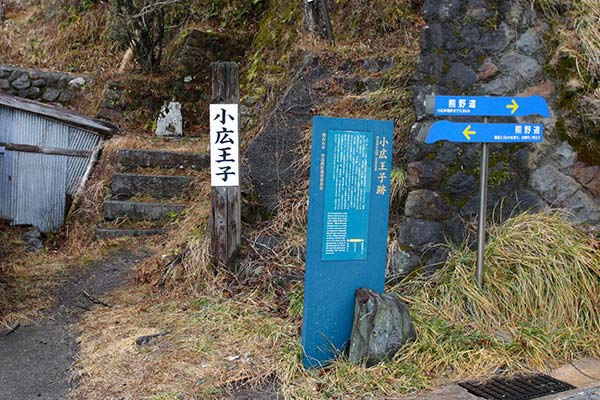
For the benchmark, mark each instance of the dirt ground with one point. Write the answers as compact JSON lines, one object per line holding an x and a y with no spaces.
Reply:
{"x":37,"y":359}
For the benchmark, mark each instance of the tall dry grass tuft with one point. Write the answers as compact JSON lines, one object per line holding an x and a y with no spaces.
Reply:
{"x":539,"y":306}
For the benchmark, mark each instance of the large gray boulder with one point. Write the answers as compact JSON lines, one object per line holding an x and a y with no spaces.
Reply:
{"x":382,"y":325}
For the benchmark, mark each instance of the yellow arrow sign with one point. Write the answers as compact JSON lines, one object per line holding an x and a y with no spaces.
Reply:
{"x":468,"y":132}
{"x":514,"y":106}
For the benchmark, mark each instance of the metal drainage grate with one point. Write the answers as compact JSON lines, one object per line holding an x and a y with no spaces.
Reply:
{"x":522,"y":387}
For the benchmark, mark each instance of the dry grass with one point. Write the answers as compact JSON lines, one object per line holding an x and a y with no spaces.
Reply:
{"x":539,"y":306}
{"x":184,"y":259}
{"x":583,"y":19}
{"x":213,"y":342}
{"x":539,"y":309}
{"x":58,"y":36}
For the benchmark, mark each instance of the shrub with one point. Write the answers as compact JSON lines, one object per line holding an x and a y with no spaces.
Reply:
{"x":143,"y":25}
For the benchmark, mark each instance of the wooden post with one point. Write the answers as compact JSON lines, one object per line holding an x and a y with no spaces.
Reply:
{"x":225,"y":216}
{"x":316,"y":15}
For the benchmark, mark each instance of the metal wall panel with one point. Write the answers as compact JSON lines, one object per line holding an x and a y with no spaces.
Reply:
{"x":6,"y":118}
{"x":34,"y":188}
{"x":76,"y":166}
{"x":39,"y":188}
{"x":1,"y":168}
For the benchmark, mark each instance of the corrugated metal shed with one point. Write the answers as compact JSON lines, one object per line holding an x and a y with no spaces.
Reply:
{"x":47,"y":153}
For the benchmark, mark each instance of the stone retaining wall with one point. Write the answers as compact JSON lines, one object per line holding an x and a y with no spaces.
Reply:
{"x":484,"y":47}
{"x":45,"y":86}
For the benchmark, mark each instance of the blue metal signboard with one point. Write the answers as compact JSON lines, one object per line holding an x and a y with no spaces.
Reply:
{"x":471,"y":132}
{"x":488,"y":106}
{"x":347,"y":228}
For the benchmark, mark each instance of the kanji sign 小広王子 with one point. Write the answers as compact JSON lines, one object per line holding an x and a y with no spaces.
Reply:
{"x":224,"y":145}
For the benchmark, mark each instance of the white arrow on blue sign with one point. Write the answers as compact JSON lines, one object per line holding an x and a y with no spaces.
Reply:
{"x":487,"y":106}
{"x":472,"y":132}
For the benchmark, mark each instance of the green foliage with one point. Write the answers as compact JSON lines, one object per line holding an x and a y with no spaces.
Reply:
{"x":271,"y":47}
{"x":172,"y":216}
{"x":228,"y":13}
{"x":296,"y":304}
{"x":165,"y":396}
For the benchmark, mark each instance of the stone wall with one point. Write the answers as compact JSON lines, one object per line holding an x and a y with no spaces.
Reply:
{"x":45,"y":86}
{"x":484,"y":47}
{"x":200,"y":48}
{"x":112,"y":104}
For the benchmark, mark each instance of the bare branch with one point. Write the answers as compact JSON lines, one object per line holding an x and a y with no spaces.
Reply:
{"x":156,"y":5}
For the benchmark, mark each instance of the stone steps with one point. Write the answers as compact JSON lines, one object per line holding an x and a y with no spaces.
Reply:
{"x":131,"y":159}
{"x":125,"y":186}
{"x":102,"y":233}
{"x":136,"y":211}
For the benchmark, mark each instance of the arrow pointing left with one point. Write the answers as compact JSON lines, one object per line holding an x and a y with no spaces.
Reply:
{"x":468,"y":132}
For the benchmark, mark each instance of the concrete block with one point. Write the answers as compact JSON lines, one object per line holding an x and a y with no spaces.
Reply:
{"x":133,"y":211}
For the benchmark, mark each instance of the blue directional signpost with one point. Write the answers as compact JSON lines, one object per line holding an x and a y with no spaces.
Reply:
{"x":347,"y":228}
{"x":487,"y":106}
{"x":485,"y":133}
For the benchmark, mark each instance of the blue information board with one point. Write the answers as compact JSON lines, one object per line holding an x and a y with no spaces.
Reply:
{"x":347,"y":228}
{"x":495,"y":106}
{"x":472,"y":132}
{"x":348,"y":167}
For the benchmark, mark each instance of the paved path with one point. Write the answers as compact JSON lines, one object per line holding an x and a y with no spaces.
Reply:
{"x":577,"y":394}
{"x":35,"y":360}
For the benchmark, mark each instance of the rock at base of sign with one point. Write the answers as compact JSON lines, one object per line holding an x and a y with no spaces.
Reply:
{"x":170,"y":121}
{"x":382,"y":325}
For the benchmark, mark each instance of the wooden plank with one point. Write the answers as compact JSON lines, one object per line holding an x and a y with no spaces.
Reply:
{"x":218,"y":226}
{"x":60,"y":114}
{"x":28,"y":148}
{"x":225,"y":221}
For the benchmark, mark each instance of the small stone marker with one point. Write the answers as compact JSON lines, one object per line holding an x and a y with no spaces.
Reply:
{"x":382,"y":325}
{"x":170,"y":121}
{"x":351,"y":167}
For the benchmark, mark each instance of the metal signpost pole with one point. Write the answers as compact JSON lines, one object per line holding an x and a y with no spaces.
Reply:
{"x":485,"y":133}
{"x":483,"y":188}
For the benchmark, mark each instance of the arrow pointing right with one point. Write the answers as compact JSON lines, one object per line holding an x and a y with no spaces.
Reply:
{"x":514,"y":106}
